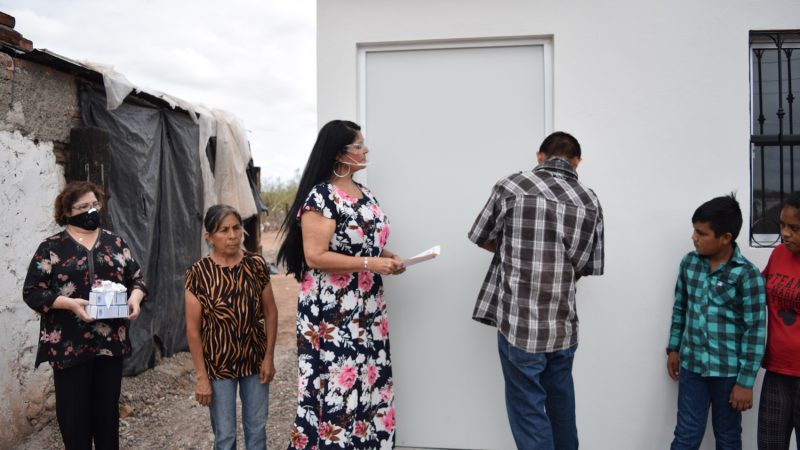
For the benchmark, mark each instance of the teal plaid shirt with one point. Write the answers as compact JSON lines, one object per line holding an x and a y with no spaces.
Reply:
{"x":719,"y":318}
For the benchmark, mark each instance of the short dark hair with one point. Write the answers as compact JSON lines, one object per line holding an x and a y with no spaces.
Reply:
{"x":792,"y":200}
{"x":216,"y":214}
{"x":561,"y":144}
{"x":722,"y":214}
{"x":70,"y":194}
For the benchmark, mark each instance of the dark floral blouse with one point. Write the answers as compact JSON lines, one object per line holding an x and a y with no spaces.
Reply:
{"x":61,"y":266}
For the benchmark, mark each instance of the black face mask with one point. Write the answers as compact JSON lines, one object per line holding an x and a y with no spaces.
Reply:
{"x":89,"y":220}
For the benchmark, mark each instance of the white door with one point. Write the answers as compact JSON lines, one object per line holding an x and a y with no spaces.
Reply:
{"x":443,"y":124}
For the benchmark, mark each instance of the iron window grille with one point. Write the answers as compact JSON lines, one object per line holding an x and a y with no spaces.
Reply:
{"x":774,"y":130}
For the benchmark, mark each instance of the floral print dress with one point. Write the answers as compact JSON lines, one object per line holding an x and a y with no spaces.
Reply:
{"x":345,"y":396}
{"x":62,"y":266}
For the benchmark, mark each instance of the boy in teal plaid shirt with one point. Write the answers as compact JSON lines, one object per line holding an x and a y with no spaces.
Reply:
{"x":718,"y":326}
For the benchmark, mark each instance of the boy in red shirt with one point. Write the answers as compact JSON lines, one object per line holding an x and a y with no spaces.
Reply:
{"x":779,"y":409}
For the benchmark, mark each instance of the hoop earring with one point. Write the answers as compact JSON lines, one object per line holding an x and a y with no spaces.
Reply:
{"x":341,"y":175}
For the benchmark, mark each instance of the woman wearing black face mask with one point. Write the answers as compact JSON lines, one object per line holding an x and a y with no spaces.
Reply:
{"x":86,"y":354}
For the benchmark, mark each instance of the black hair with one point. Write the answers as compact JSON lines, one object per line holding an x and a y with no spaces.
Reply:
{"x":561,"y":144}
{"x":792,"y":200}
{"x":332,"y":140}
{"x":216,"y":214}
{"x":722,"y":214}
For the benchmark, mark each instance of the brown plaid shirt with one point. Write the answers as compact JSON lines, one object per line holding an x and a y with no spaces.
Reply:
{"x":549,"y":232}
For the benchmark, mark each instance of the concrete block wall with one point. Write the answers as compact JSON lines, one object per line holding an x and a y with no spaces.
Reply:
{"x":30,"y":181}
{"x":38,"y":107}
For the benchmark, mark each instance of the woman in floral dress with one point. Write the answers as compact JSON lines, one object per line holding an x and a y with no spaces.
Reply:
{"x":335,"y":246}
{"x":86,"y":355}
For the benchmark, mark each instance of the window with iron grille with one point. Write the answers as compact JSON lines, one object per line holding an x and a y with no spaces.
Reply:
{"x":774,"y":129}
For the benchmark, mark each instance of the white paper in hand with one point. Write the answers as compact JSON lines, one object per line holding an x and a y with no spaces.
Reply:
{"x":430,"y":253}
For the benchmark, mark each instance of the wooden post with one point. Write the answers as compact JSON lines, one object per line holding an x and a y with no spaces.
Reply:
{"x":90,"y":159}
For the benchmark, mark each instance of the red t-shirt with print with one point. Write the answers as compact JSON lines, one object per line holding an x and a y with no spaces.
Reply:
{"x":782,"y":276}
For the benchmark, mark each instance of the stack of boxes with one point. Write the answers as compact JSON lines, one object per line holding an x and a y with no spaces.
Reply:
{"x":108,"y":300}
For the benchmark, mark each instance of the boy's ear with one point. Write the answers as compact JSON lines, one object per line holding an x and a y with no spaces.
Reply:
{"x":727,"y":238}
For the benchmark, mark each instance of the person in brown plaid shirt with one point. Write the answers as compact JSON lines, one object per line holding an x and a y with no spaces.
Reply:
{"x":545,"y":229}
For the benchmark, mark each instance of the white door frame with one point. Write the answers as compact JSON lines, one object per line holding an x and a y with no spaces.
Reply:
{"x":543,"y":123}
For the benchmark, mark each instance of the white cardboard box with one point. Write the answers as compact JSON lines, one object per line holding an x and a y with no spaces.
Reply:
{"x":108,"y":305}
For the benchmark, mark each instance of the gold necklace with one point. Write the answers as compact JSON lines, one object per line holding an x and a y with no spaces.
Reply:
{"x":76,"y":235}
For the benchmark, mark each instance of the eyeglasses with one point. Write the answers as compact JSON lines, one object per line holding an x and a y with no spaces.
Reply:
{"x":83,"y":207}
{"x":357,"y":149}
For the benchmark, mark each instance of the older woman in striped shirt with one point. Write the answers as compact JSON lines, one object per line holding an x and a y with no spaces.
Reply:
{"x":231,"y":324}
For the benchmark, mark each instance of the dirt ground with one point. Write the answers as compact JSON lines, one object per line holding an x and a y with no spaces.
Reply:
{"x":158,"y":405}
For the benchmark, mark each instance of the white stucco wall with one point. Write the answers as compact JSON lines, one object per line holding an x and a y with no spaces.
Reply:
{"x":658,"y":95}
{"x":30,"y":182}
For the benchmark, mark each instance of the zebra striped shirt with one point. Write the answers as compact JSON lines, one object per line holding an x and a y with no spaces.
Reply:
{"x":232,"y":330}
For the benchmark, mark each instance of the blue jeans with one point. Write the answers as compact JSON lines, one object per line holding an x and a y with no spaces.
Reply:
{"x":695,"y":394}
{"x":540,"y":397}
{"x":255,"y":403}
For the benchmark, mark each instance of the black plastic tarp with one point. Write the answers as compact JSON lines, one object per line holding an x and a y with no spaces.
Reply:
{"x":156,"y":203}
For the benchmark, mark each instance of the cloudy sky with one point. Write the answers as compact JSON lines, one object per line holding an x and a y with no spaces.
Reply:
{"x":253,"y":58}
